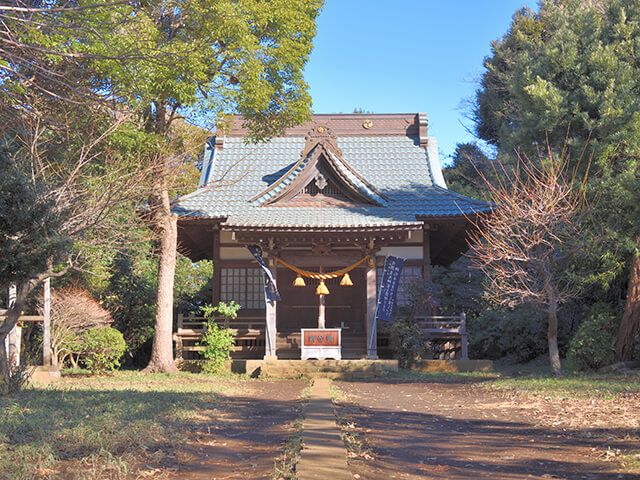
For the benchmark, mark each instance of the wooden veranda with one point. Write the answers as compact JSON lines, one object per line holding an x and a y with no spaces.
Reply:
{"x":448,"y":335}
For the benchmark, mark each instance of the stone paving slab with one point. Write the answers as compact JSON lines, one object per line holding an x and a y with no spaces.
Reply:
{"x":323,"y":455}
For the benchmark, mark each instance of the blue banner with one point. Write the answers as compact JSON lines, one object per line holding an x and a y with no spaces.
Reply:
{"x":389,"y":287}
{"x":270,"y":290}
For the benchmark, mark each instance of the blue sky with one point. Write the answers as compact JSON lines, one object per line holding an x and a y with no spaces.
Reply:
{"x":406,"y":56}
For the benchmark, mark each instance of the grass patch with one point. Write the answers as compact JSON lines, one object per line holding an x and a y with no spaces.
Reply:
{"x":537,"y":380}
{"x":284,"y":467}
{"x":101,"y":427}
{"x":335,"y":393}
{"x":442,"y":377}
{"x":591,"y":385}
{"x":581,"y":385}
{"x":352,"y":434}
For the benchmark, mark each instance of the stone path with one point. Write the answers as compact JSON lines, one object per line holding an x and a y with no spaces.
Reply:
{"x":323,"y":455}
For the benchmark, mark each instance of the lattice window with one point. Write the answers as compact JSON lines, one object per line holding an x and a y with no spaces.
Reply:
{"x":409,"y":274}
{"x":244,"y":285}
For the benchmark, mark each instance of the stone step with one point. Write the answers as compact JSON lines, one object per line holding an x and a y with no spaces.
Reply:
{"x":327,"y":368}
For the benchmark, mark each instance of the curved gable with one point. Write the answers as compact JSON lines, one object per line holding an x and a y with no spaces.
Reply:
{"x":320,"y":174}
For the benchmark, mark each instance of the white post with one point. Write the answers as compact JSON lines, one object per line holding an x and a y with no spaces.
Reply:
{"x":46,"y":333}
{"x":321,"y":316}
{"x":12,"y":341}
{"x":270,"y":325}
{"x":372,"y":337}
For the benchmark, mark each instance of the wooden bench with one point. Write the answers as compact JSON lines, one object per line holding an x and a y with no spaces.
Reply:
{"x":449,"y":331}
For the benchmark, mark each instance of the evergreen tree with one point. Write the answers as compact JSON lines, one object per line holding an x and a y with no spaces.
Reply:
{"x":568,"y":75}
{"x":466,"y":172}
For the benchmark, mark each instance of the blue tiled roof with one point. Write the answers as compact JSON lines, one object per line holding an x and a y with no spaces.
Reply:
{"x":407,"y":175}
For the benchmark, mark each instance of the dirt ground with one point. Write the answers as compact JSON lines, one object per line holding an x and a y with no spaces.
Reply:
{"x":433,"y":430}
{"x":240,"y":439}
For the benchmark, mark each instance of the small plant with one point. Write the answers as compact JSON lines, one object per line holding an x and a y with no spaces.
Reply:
{"x":218,"y":341}
{"x":19,"y":376}
{"x":102,"y":349}
{"x":593,"y":345}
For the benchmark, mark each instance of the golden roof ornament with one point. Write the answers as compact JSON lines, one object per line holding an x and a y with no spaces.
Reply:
{"x":320,"y":134}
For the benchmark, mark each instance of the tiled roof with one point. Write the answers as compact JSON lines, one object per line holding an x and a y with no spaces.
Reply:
{"x":407,"y":176}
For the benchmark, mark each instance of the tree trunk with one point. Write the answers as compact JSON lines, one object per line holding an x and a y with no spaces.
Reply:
{"x":4,"y":361}
{"x":630,"y":325}
{"x":166,"y":225}
{"x":552,"y":337}
{"x":10,"y":321}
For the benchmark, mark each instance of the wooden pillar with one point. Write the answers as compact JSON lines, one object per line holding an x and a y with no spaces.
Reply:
{"x":12,"y":340}
{"x":321,"y":314}
{"x":321,"y":308}
{"x":270,"y":325}
{"x":178,"y":338}
{"x":217,"y":274}
{"x":372,"y":352}
{"x":426,"y":253}
{"x":464,"y":337}
{"x":46,"y":331}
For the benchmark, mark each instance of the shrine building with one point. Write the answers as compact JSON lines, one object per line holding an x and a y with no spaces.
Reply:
{"x":332,"y":197}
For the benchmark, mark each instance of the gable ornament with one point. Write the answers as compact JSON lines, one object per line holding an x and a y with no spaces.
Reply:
{"x":320,"y":135}
{"x":321,"y":181}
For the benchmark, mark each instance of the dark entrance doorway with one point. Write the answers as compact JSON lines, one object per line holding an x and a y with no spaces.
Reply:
{"x":298,"y":308}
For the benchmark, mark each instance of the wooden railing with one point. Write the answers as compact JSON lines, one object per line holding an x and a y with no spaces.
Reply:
{"x":449,"y":332}
{"x":447,"y":328}
{"x":249,"y":334}
{"x":23,"y":318}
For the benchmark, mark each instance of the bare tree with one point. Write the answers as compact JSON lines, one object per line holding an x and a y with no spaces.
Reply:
{"x":73,"y":311}
{"x":527,"y":239}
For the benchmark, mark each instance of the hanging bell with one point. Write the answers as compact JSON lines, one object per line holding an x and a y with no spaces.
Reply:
{"x":322,"y":289}
{"x":299,"y":282}
{"x":346,"y":281}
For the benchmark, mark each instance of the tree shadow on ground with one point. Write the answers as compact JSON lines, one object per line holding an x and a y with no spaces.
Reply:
{"x":40,"y":427}
{"x":427,"y":443}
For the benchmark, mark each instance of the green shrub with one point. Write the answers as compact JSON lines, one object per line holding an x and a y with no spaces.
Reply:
{"x":217,"y":341}
{"x":102,"y":349}
{"x":520,"y":333}
{"x":407,"y":339}
{"x":593,"y":345}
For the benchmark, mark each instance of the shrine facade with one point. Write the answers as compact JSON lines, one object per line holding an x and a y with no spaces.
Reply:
{"x":338,"y":194}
